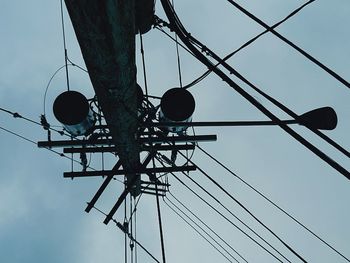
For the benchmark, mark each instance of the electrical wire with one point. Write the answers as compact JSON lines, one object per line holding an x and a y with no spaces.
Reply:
{"x":199,"y":233}
{"x":159,"y":217}
{"x":143,"y":64}
{"x":290,"y":43}
{"x":207,"y":226}
{"x":266,"y":96}
{"x":245,"y":209}
{"x":273,"y":203}
{"x":178,"y":54}
{"x":172,"y":38}
{"x":191,"y":42}
{"x":49,"y":83}
{"x":64,"y":44}
{"x":132,"y":233}
{"x":125,"y":223}
{"x":252,"y":40}
{"x":55,"y":73}
{"x":135,"y":222}
{"x":49,"y":128}
{"x":202,"y":229}
{"x":227,"y":219}
{"x":285,"y":244}
{"x":17,"y":115}
{"x":119,"y":225}
{"x":51,"y":150}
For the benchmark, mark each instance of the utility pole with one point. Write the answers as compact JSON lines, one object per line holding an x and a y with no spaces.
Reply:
{"x":106,"y":34}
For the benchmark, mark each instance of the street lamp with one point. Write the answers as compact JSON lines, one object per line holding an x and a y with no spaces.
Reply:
{"x":324,"y":118}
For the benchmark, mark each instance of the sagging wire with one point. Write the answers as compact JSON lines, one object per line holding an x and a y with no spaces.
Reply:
{"x":246,"y":44}
{"x":275,"y":102}
{"x":47,"y":148}
{"x":272,"y":100}
{"x":273,"y":203}
{"x":243,"y":207}
{"x":230,"y":221}
{"x":71,"y":64}
{"x":202,"y":229}
{"x":49,"y":128}
{"x":290,"y":43}
{"x":197,"y":231}
{"x":130,"y":236}
{"x":207,"y":226}
{"x":198,"y":48}
{"x":43,"y":122}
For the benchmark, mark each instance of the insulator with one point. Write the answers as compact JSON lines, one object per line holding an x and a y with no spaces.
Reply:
{"x":72,"y":109}
{"x":177,"y":105}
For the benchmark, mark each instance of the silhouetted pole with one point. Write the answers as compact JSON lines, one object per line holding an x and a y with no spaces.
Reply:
{"x":106,"y":34}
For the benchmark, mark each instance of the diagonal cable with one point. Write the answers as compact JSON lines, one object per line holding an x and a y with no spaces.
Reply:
{"x":273,"y":203}
{"x":290,"y":43}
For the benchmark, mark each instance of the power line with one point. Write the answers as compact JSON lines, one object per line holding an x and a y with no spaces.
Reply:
{"x":143,"y":64}
{"x":205,"y":74}
{"x":273,"y":203}
{"x":33,"y":142}
{"x":172,"y":38}
{"x":64,"y":44}
{"x":120,"y":226}
{"x":160,"y":220}
{"x":237,"y":218}
{"x":178,"y":55}
{"x":228,"y":220}
{"x":42,"y":124}
{"x":270,"y":99}
{"x":201,"y":228}
{"x":47,"y":126}
{"x":290,"y":43}
{"x":197,"y":231}
{"x":190,"y":41}
{"x":245,"y":209}
{"x":207,"y":226}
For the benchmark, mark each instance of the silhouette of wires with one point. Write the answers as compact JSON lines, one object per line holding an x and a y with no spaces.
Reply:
{"x":272,"y":203}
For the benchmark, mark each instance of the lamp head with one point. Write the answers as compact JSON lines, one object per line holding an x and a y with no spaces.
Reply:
{"x":324,"y":118}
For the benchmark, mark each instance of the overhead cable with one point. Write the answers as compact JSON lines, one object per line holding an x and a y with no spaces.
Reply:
{"x":245,"y":209}
{"x":143,"y":64}
{"x":49,"y":149}
{"x":121,"y":227}
{"x":207,"y":226}
{"x":42,"y":124}
{"x":265,"y":95}
{"x":290,"y":43}
{"x":205,"y":74}
{"x":177,"y":54}
{"x":273,"y":203}
{"x":159,"y":217}
{"x":64,"y":44}
{"x":197,"y":231}
{"x":189,"y":40}
{"x":228,"y":220}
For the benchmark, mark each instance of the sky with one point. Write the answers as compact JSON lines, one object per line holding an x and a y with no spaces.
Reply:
{"x":42,"y":214}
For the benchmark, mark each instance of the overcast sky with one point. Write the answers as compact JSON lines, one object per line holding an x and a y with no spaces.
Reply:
{"x":42,"y":216}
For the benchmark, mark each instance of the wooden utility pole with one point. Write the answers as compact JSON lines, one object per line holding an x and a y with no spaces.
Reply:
{"x":105,"y":30}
